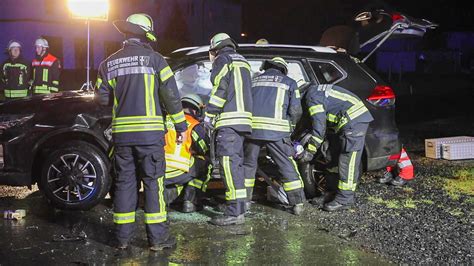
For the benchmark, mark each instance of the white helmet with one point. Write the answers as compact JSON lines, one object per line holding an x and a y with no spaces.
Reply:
{"x":13,"y":44}
{"x":42,"y":42}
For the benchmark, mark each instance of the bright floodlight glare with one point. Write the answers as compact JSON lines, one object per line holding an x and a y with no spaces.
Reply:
{"x":89,"y":9}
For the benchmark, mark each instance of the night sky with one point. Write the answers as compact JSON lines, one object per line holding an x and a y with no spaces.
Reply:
{"x":300,"y":21}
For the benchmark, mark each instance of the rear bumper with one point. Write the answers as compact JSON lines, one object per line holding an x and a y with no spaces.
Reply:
{"x":379,"y":147}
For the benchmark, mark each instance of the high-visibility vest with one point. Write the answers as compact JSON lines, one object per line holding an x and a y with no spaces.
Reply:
{"x":178,"y":156}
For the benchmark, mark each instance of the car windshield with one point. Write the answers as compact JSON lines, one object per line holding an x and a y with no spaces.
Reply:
{"x":196,"y":78}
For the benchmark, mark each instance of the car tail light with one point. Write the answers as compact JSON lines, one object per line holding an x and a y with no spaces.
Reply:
{"x":397,"y":17}
{"x":382,"y":96}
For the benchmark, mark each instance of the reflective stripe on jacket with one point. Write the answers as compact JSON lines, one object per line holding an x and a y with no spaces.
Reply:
{"x":137,"y":81}
{"x":46,"y":72}
{"x":231,"y":99}
{"x":276,"y":105}
{"x":15,"y":78}
{"x":334,"y":106}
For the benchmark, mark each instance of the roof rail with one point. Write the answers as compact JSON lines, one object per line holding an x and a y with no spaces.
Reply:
{"x":201,"y":49}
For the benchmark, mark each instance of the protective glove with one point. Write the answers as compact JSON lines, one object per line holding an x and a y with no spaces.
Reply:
{"x":208,"y":124}
{"x":305,"y":157}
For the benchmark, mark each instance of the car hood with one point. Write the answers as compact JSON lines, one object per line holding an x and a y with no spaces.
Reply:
{"x":33,"y":103}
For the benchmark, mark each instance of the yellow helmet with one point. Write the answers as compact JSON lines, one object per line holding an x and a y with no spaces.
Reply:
{"x":137,"y":24}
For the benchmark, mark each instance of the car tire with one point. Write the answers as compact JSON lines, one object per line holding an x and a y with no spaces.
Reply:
{"x":75,"y":176}
{"x":309,"y":180}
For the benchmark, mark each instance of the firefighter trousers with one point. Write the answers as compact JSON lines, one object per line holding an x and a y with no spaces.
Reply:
{"x":148,"y":160}
{"x":281,"y":152}
{"x":352,"y":140}
{"x":193,"y":182}
{"x":230,"y":152}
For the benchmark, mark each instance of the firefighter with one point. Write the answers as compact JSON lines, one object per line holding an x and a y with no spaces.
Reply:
{"x":16,"y":73}
{"x":276,"y":107}
{"x":262,"y":41}
{"x":137,"y":81}
{"x":401,"y":174}
{"x":230,"y":105}
{"x":186,"y":164}
{"x":46,"y":69}
{"x":335,"y":107}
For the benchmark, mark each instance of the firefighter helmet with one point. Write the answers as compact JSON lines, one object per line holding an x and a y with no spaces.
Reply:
{"x":42,"y":42}
{"x":220,"y":41}
{"x":193,"y":99}
{"x":277,"y":62}
{"x":137,"y":24}
{"x":13,"y":44}
{"x":262,"y":42}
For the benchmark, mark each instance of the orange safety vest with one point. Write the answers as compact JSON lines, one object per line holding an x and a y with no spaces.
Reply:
{"x":178,"y":157}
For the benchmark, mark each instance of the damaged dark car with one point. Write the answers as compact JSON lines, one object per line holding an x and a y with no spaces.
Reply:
{"x":61,"y":141}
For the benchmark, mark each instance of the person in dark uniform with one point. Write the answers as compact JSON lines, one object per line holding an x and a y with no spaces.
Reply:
{"x":137,"y":81}
{"x":46,"y":69}
{"x":276,"y":107}
{"x":335,"y":107}
{"x":15,"y":74}
{"x":230,"y":112}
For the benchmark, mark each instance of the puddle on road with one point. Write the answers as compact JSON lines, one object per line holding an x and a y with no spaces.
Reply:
{"x":269,"y":237}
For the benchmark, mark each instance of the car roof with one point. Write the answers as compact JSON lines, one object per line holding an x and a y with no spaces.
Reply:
{"x":201,"y":49}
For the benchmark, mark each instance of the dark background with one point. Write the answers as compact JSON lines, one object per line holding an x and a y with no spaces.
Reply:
{"x":299,"y":21}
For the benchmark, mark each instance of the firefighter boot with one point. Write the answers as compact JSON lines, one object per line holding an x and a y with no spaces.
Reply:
{"x":297,"y":209}
{"x":170,"y":242}
{"x":386,"y":178}
{"x":225,"y":220}
{"x":335,"y":206}
{"x":398,"y":181}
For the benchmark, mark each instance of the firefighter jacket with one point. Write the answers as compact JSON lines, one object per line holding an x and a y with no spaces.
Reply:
{"x":15,"y":78}
{"x":46,"y":72}
{"x":276,"y":105}
{"x":179,"y":156}
{"x":137,"y":81}
{"x":333,"y":106}
{"x":231,"y":99}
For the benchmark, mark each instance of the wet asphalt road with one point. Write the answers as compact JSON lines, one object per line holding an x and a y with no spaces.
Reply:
{"x":270,"y":236}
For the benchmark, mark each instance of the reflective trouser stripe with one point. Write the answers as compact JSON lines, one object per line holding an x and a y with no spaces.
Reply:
{"x":161,"y":196}
{"x":249,"y":182}
{"x":317,"y":140}
{"x":349,"y":184}
{"x":292,"y":185}
{"x":153,"y":218}
{"x":15,"y":93}
{"x":232,"y":193}
{"x":196,"y":183}
{"x":312,"y":148}
{"x":124,"y":218}
{"x":295,"y":166}
{"x":315,"y":109}
{"x":179,"y":189}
